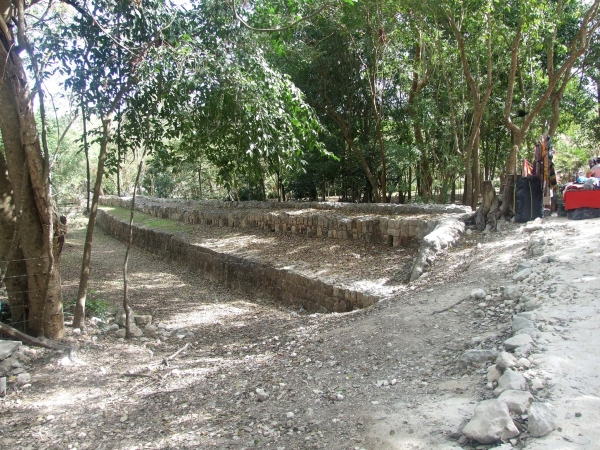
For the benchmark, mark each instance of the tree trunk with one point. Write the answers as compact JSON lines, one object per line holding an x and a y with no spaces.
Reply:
{"x":476,"y":173}
{"x":200,"y":181}
{"x":38,"y":225}
{"x":86,"y":150}
{"x":79,"y":315}
{"x":468,"y":185}
{"x":13,"y":269}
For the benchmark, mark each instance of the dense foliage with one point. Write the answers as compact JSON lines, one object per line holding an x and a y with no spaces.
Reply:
{"x":365,"y":100}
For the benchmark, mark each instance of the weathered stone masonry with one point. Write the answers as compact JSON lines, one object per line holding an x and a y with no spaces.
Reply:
{"x":320,"y":220}
{"x":290,"y":288}
{"x":368,"y":222}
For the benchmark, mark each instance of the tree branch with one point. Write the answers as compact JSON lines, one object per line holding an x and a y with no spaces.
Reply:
{"x":276,"y":30}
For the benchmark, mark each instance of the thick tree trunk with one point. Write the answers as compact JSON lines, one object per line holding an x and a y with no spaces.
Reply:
{"x":38,"y":226}
{"x":12,"y":266}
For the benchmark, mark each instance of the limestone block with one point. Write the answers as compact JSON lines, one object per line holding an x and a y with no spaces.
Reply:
{"x":476,"y":357}
{"x":518,"y":402}
{"x":510,"y":380}
{"x":491,"y":423}
{"x":541,"y":419}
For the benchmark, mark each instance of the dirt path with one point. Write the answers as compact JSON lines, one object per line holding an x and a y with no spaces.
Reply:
{"x":255,"y":375}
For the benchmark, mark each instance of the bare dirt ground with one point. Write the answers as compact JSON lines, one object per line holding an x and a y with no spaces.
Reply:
{"x":382,"y":378}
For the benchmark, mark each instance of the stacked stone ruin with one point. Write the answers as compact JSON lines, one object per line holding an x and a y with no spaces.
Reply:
{"x":388,"y":225}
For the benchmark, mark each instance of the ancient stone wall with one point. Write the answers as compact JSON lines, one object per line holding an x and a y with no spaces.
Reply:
{"x":316,"y":219}
{"x":289,"y":288}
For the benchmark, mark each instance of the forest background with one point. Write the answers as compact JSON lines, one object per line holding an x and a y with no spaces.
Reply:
{"x":362,"y":100}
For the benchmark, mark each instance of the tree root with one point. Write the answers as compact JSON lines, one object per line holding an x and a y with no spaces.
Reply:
{"x":9,"y":331}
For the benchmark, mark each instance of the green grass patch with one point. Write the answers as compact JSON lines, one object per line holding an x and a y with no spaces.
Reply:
{"x":143,"y":219}
{"x":94,"y":306}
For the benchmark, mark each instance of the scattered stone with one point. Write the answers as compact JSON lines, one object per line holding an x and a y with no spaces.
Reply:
{"x":289,"y":415}
{"x":8,"y":365}
{"x":112,"y":327}
{"x":150,"y":330}
{"x":476,"y":357}
{"x":261,"y":394}
{"x":184,"y":333}
{"x":541,"y":419}
{"x":478,"y":294}
{"x":7,"y":348}
{"x":519,"y":323}
{"x":455,"y":432}
{"x":491,"y":423}
{"x":505,"y":360}
{"x":511,"y":292}
{"x":510,"y":380}
{"x":536,"y":247}
{"x":517,"y":401}
{"x":474,"y":342}
{"x":120,"y":318}
{"x":462,"y":440}
{"x":523,"y":351}
{"x":520,"y":276}
{"x":22,"y":357}
{"x":144,"y":319}
{"x":135,"y":331}
{"x":527,"y":315}
{"x":23,"y":379}
{"x":524,"y":363}
{"x":536,"y":384}
{"x":124,"y":418}
{"x":530,"y":331}
{"x":65,"y":361}
{"x":2,"y":386}
{"x":493,"y":374}
{"x":523,"y":265}
{"x":517,"y":341}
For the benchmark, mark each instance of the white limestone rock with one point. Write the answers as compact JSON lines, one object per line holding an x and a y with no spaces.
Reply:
{"x":520,"y":276}
{"x":541,"y":420}
{"x":505,"y":360}
{"x":478,"y":294}
{"x":491,"y":423}
{"x":476,"y":357}
{"x":520,"y":323}
{"x":518,"y":402}
{"x":143,"y":319}
{"x":511,"y":292}
{"x":493,"y":374}
{"x":510,"y":380}
{"x":517,"y":341}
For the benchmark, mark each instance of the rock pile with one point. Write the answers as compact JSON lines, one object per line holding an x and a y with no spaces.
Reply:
{"x":518,"y":410}
{"x":14,"y":361}
{"x":144,"y":329}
